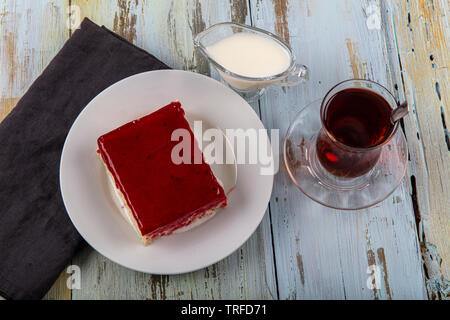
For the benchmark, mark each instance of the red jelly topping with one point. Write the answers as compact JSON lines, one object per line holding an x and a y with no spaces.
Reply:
{"x":160,"y":193}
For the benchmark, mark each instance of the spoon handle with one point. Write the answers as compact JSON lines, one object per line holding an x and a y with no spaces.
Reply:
{"x":399,"y":112}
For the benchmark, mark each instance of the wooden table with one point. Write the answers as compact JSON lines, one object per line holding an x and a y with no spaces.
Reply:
{"x":301,"y":250}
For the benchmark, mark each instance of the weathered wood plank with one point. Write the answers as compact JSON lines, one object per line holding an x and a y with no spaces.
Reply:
{"x":166,"y":29}
{"x":31,"y":33}
{"x":320,"y":252}
{"x":60,"y":290}
{"x":423,"y":37}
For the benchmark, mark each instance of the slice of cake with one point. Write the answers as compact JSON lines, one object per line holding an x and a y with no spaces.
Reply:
{"x":158,"y":196}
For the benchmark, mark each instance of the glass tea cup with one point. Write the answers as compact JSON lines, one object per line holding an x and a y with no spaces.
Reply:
{"x":250,"y":88}
{"x":343,"y":151}
{"x":356,"y":124}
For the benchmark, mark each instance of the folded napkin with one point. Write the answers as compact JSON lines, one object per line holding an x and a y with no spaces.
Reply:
{"x":37,"y":238}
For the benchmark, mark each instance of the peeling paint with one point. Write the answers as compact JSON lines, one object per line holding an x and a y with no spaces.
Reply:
{"x":214,"y":271}
{"x":429,"y":14}
{"x":416,"y":207}
{"x":198,"y":25}
{"x":9,"y":40}
{"x":397,"y":199}
{"x":239,"y":10}
{"x":438,"y":90}
{"x":171,"y":30}
{"x":211,"y":272}
{"x":433,"y":261}
{"x":158,"y":285}
{"x":281,"y":22}
{"x":382,"y":260}
{"x":428,"y":89}
{"x":124,"y":22}
{"x":358,"y":68}
{"x":300,"y":268}
{"x":371,"y":261}
{"x":438,"y":287}
{"x":444,"y":125}
{"x":14,"y":63}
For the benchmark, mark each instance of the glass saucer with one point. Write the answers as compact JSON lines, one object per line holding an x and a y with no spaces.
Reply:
{"x":305,"y":170}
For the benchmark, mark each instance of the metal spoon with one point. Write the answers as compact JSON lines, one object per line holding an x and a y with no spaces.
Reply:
{"x":399,"y":112}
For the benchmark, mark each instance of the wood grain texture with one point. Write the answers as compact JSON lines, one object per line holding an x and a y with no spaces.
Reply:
{"x":166,"y":29}
{"x":319,"y":252}
{"x":60,"y":290}
{"x":31,"y":33}
{"x":422,"y":36}
{"x":324,"y":253}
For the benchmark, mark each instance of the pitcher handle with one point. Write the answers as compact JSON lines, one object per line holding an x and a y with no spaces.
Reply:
{"x":299,"y":74}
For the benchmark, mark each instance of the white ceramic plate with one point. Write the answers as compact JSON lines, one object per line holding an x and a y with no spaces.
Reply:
{"x":85,"y":191}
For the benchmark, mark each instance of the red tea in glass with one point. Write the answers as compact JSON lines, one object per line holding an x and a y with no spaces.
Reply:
{"x":356,"y":122}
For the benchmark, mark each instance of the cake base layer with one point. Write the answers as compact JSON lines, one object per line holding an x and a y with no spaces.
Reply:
{"x":119,"y":201}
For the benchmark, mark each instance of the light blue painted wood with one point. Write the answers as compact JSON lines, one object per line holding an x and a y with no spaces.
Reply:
{"x":320,"y":252}
{"x":23,"y":51}
{"x":166,"y":29}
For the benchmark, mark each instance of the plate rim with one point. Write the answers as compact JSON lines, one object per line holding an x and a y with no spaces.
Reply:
{"x":112,"y":258}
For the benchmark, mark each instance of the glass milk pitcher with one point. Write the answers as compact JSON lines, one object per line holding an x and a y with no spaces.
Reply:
{"x":269,"y":50}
